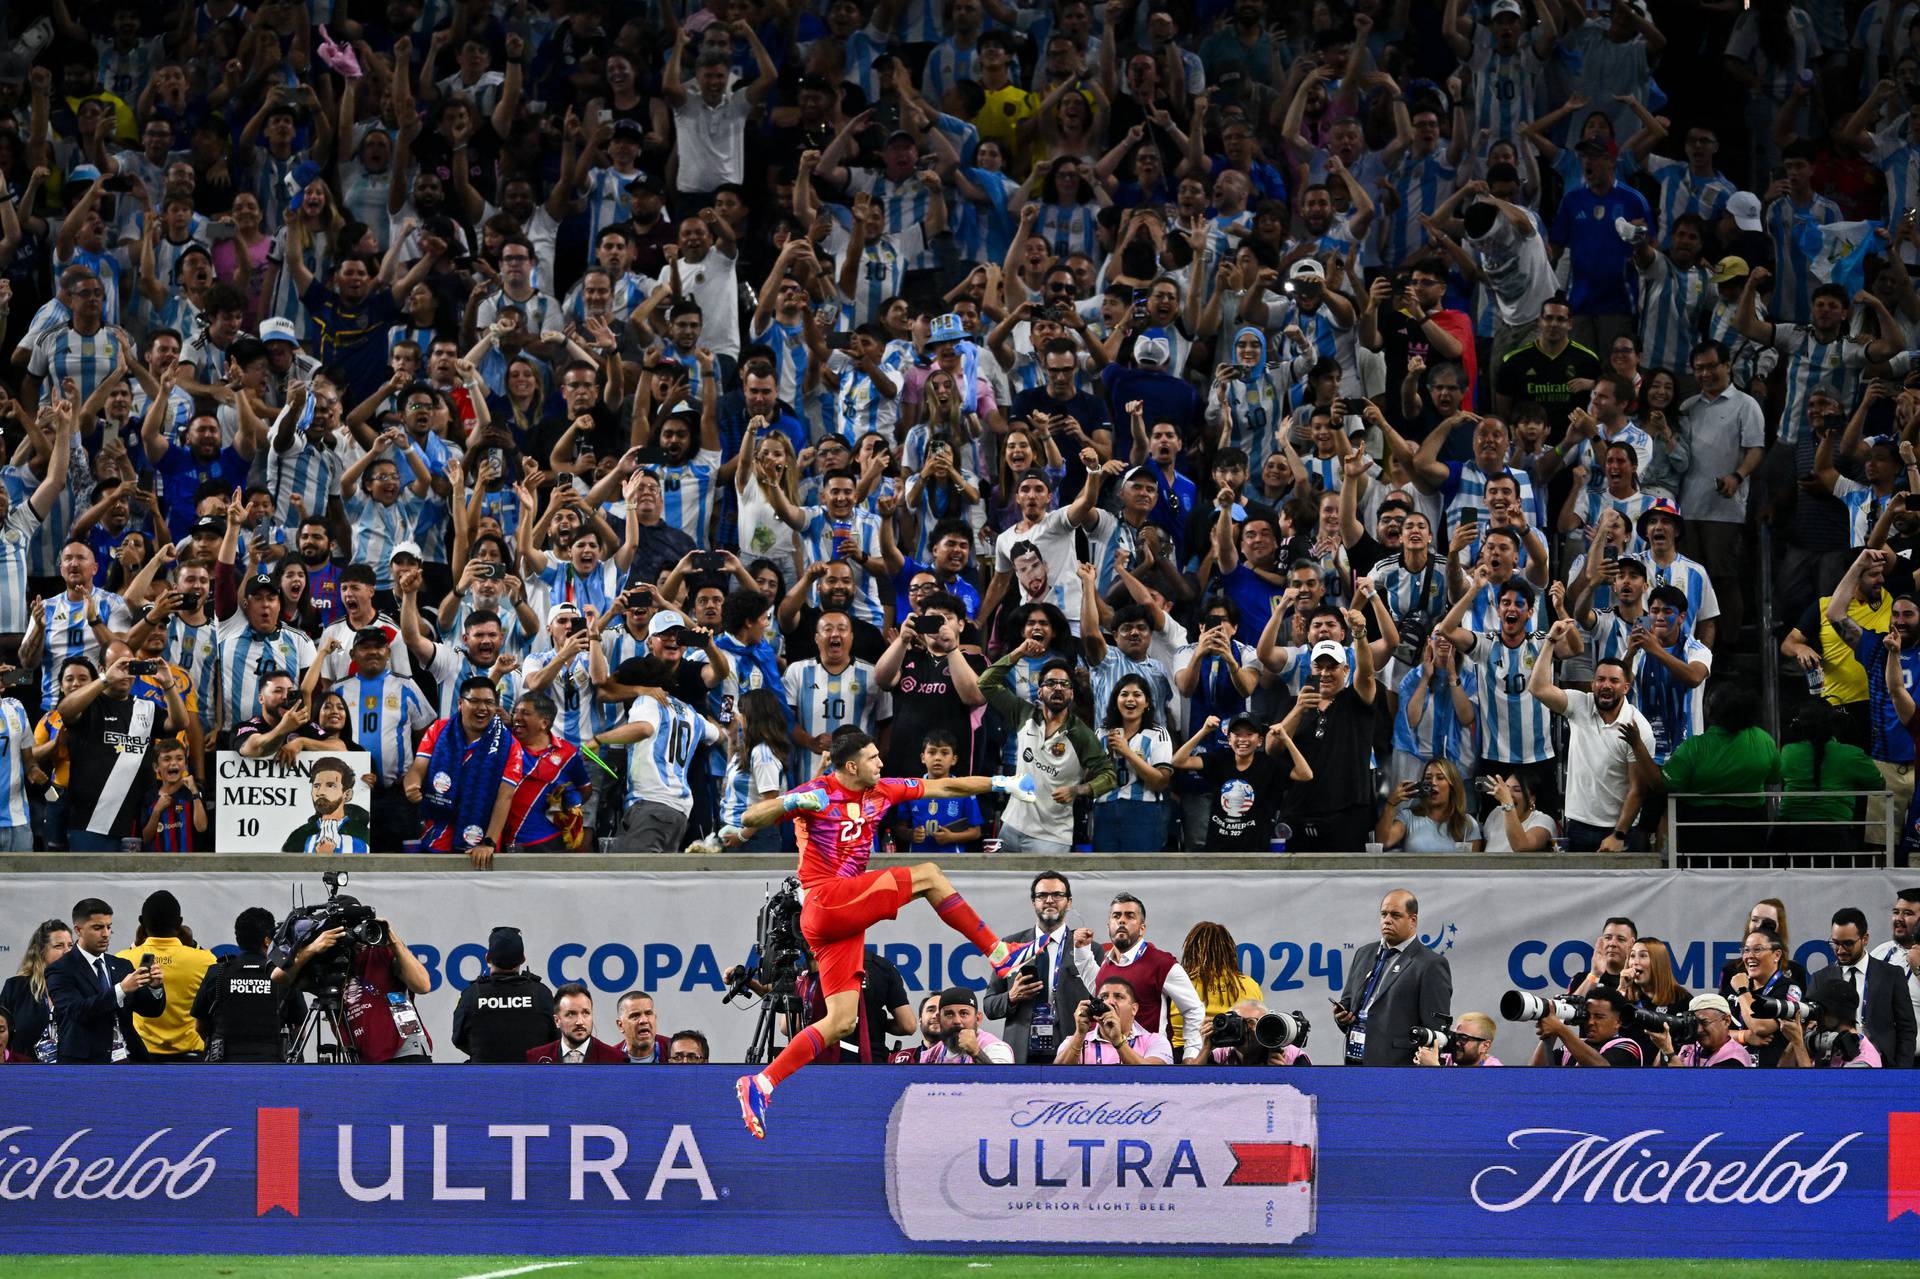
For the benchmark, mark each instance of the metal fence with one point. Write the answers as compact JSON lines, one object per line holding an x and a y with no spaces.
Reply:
{"x":1767,"y":841}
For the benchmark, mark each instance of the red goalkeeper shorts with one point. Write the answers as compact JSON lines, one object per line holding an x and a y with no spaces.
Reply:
{"x":836,"y":917}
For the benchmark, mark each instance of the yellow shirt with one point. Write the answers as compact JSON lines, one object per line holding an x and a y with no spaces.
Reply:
{"x":181,"y":969}
{"x":1846,"y":679}
{"x":1249,"y":989}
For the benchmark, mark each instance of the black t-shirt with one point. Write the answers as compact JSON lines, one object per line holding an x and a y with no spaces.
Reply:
{"x":1088,"y":410}
{"x":868,"y":642}
{"x":609,"y":435}
{"x":924,"y":700}
{"x":881,"y":991}
{"x":111,"y":744}
{"x":1529,"y":373}
{"x":1242,"y":804}
{"x":1337,"y":740}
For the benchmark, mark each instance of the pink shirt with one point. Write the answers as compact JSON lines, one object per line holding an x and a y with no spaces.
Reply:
{"x":1867,"y":1056}
{"x":997,"y":1050}
{"x":1730,"y":1053}
{"x":1150,"y":1044}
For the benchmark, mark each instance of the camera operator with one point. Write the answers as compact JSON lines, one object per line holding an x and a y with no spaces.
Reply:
{"x":912,"y":1055}
{"x":1713,"y":1042}
{"x":962,"y":1041}
{"x":1599,"y":1042}
{"x":1119,"y":1042}
{"x":237,"y":1009}
{"x":1761,"y":973}
{"x":507,"y":1010}
{"x":1838,"y":1041}
{"x":1469,"y":1043}
{"x":383,"y":1028}
{"x":1248,"y":1052}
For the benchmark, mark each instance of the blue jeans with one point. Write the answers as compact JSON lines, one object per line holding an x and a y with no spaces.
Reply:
{"x":16,"y":839}
{"x":1130,"y":825}
{"x":85,"y":841}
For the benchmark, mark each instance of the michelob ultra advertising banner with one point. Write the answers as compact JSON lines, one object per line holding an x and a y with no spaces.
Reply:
{"x":1287,"y":1162}
{"x":675,"y":934}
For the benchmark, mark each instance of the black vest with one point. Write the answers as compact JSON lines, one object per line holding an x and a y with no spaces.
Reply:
{"x":246,"y":1017}
{"x":509,"y":1013}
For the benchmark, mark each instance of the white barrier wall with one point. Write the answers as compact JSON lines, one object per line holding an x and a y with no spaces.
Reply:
{"x":674,"y":933}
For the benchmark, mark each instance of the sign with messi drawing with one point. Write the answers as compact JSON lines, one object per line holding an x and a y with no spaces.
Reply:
{"x":1309,"y":1161}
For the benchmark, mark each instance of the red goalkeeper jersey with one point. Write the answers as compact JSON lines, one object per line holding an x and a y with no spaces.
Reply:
{"x":837,"y":841}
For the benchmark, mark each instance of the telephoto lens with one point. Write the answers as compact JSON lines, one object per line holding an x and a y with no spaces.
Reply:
{"x":1518,"y":1005}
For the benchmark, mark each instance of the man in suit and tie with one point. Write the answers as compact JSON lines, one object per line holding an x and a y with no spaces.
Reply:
{"x":95,"y":994}
{"x":573,"y":1016}
{"x":1394,"y":985}
{"x":1886,"y":1014}
{"x":1038,"y":1014}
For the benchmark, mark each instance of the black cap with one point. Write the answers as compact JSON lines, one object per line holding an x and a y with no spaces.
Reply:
{"x":958,"y":995}
{"x":816,"y":84}
{"x":505,"y":948}
{"x":1672,"y":596}
{"x":1246,"y":722}
{"x":212,"y":525}
{"x":261,"y":584}
{"x":371,"y":635}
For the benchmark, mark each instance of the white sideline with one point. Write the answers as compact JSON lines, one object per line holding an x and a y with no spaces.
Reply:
{"x":521,"y":1270}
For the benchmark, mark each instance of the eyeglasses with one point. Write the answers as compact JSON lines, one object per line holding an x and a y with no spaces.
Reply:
{"x":1757,"y":950}
{"x":486,"y":702}
{"x":1044,"y":897}
{"x":693,"y":1059}
{"x":1056,"y":683}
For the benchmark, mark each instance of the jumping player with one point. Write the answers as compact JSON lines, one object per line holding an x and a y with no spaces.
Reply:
{"x":835,"y":819}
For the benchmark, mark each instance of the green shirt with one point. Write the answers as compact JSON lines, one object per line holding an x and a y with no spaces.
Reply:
{"x":1842,"y":768}
{"x":1721,"y":763}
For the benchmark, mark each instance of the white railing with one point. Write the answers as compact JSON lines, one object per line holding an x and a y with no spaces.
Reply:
{"x":1740,"y":851}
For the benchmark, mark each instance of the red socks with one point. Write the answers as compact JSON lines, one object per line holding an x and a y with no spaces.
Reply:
{"x":800,"y":1050}
{"x":963,"y":920}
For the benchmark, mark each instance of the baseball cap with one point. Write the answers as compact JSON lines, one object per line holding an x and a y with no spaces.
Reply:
{"x":1744,"y":209}
{"x":1153,"y":351}
{"x":1825,"y":391}
{"x":409,"y":549}
{"x":1306,"y":269}
{"x":1710,"y":1004}
{"x":1507,"y":6}
{"x":1139,"y":475}
{"x":1597,"y":146}
{"x":84,"y":173}
{"x":209,"y":525}
{"x":665,"y":620}
{"x":959,"y":995}
{"x":261,"y":584}
{"x":276,"y":329}
{"x":564,"y":608}
{"x":628,"y":126}
{"x":372,"y":635}
{"x":899,"y":134}
{"x":1248,"y":723}
{"x":1330,"y":648}
{"x":506,"y":947}
{"x":1731,"y":268}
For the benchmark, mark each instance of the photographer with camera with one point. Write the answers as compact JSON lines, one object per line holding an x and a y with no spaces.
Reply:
{"x":1469,"y":1043}
{"x":1119,"y":1041}
{"x":1600,"y":1039}
{"x":342,"y":951}
{"x":1762,"y":975}
{"x":1249,"y":1035}
{"x":1063,"y":969}
{"x":1837,"y":1041}
{"x":238,"y":1009}
{"x":962,"y":1041}
{"x":1713,"y":1045}
{"x":507,"y":1010}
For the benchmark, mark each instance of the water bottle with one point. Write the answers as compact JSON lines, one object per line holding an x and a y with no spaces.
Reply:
{"x":1816,"y":680}
{"x":1281,"y":834}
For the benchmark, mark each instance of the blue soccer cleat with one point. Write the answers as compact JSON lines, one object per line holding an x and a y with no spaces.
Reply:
{"x":753,"y":1105}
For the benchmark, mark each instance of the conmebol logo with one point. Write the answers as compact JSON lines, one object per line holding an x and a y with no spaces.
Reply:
{"x":1641,"y":1168}
{"x":1173,"y":1164}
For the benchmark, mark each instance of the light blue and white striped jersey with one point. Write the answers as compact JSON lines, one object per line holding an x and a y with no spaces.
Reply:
{"x":630,"y":293}
{"x":920,"y":22}
{"x":1221,"y":241}
{"x":606,"y":197}
{"x":862,"y":47}
{"x":451,"y":667}
{"x":284,"y":300}
{"x":363,"y":197}
{"x":687,"y":494}
{"x":571,"y":691}
{"x":746,"y":786}
{"x":822,"y":701}
{"x":1405,"y":590}
{"x":1069,"y":228}
{"x":1116,"y":666}
{"x":1674,"y":304}
{"x":907,"y":205}
{"x":1863,"y":508}
{"x":1296,"y":666}
{"x":64,"y":353}
{"x":983,"y":230}
{"x":816,"y":535}
{"x":1681,"y":191}
{"x":1702,"y":603}
{"x":947,"y":65}
{"x":1899,"y":160}
{"x":114,"y":271}
{"x":386,"y":711}
{"x":307,"y":471}
{"x":619,"y":643}
{"x":1592,"y":453}
{"x":1152,"y":745}
{"x":63,"y":620}
{"x":789,"y":346}
{"x":883,"y":264}
{"x":657,"y":768}
{"x":378,"y":528}
{"x":43,"y":548}
{"x":1596,"y":500}
{"x":1484,"y":613}
{"x":246,"y":656}
{"x":1505,"y":86}
{"x":16,"y":739}
{"x":1421,"y":183}
{"x":1675,"y":711}
{"x":16,"y":535}
{"x":1324,"y":473}
{"x":1439,"y":734}
{"x":1258,"y":405}
{"x":1811,"y":362}
{"x":1611,"y":632}
{"x":1514,"y":726}
{"x":1793,"y":278}
{"x":1470,"y":494}
{"x":565,"y":585}
{"x":196,"y":650}
{"x":857,"y":400}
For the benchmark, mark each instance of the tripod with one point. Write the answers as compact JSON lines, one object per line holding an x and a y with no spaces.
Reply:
{"x":325,"y":1017}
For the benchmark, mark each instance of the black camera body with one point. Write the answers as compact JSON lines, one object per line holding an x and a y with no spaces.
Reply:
{"x":782,"y":950}
{"x":1269,"y":1033}
{"x":1414,"y":629}
{"x":1682,"y":1027}
{"x":326,"y":976}
{"x":1097,"y":1008}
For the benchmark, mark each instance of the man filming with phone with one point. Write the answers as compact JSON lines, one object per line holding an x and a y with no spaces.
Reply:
{"x":110,"y":733}
{"x":1062,"y":971}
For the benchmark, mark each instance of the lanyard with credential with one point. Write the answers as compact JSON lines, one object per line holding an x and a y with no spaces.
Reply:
{"x":1373,"y":978}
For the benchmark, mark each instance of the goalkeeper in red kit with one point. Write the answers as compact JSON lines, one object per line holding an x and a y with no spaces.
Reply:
{"x":835,"y":818}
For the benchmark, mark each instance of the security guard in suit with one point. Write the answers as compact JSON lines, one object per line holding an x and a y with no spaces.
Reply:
{"x":508,"y":1010}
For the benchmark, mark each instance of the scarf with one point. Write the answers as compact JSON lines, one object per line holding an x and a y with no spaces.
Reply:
{"x":460,"y":788}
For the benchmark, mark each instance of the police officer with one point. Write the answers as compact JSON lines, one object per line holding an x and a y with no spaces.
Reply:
{"x":237,"y":1009}
{"x":508,"y":1010}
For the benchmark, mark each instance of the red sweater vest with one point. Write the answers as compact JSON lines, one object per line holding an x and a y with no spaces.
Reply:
{"x":1147,"y":974}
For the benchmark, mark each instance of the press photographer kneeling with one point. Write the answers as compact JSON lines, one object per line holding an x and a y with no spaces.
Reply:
{"x":1249,"y":1035}
{"x":1836,"y":1042}
{"x":1709,"y":1022}
{"x":1601,"y":1039}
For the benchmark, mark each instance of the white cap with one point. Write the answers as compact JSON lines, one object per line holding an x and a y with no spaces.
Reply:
{"x":1330,"y":648}
{"x":407,"y":548}
{"x":1306,"y":269}
{"x":565,"y":608}
{"x":663,"y":621}
{"x":1152,"y":352}
{"x":276,"y":329}
{"x":1744,"y":209}
{"x":1507,"y":6}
